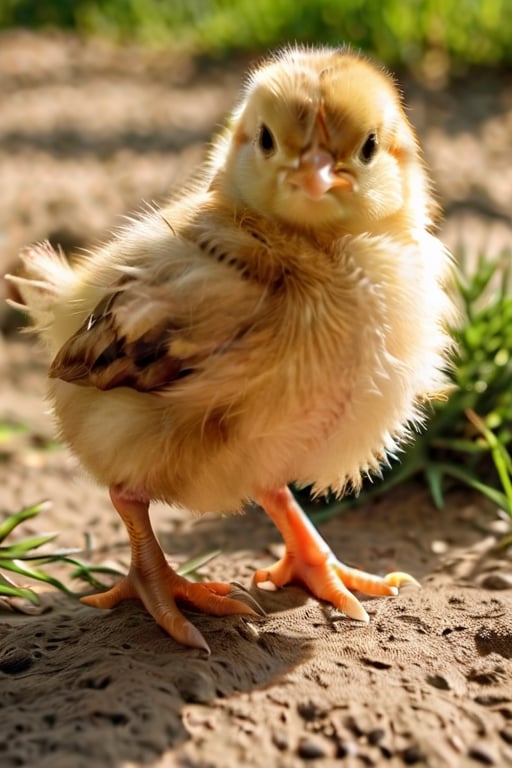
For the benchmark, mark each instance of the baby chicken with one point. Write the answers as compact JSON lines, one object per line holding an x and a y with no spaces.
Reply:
{"x":281,"y":321}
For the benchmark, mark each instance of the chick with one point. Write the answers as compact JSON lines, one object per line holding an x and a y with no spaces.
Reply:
{"x":282,"y":320}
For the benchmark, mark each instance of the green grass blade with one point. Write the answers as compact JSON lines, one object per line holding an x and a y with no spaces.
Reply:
{"x":23,"y":592}
{"x":20,"y":548}
{"x":19,"y":517}
{"x":501,"y":458}
{"x":9,"y":430}
{"x":455,"y":444}
{"x":51,"y":557}
{"x":32,"y":573}
{"x":434,"y":477}
{"x":197,"y":562}
{"x":461,"y":474}
{"x":87,"y":573}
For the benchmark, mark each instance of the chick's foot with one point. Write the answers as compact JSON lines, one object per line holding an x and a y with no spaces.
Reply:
{"x":310,"y":561}
{"x":152,"y":580}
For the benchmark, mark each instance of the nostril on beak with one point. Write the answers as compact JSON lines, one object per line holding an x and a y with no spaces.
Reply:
{"x":318,"y":172}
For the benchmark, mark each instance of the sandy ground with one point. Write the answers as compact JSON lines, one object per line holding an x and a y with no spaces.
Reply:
{"x":86,"y":133}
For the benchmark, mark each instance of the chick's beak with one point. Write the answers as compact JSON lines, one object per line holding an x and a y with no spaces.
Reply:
{"x":318,"y":172}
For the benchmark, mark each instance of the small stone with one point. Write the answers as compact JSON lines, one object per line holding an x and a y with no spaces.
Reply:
{"x":310,"y":748}
{"x":249,"y":631}
{"x":375,"y":736}
{"x":499,"y":527}
{"x":439,"y":547}
{"x":412,"y":755}
{"x":497,"y":581}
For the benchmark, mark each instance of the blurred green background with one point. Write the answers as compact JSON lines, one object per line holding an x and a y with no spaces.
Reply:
{"x":413,"y":33}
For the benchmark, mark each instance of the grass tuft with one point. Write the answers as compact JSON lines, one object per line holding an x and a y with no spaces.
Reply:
{"x":23,"y":558}
{"x":440,"y":35}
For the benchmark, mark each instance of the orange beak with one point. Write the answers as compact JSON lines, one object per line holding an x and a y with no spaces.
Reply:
{"x":318,"y":172}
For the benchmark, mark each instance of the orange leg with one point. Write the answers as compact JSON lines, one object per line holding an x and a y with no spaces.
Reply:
{"x":152,"y":580}
{"x":309,"y":560}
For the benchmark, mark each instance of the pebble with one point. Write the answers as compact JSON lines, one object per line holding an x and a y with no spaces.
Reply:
{"x":499,"y":527}
{"x":497,"y":581}
{"x":311,"y":748}
{"x":412,"y":755}
{"x":375,"y":736}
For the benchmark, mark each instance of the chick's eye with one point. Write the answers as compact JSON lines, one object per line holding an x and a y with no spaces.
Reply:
{"x":369,"y":148}
{"x":266,"y":140}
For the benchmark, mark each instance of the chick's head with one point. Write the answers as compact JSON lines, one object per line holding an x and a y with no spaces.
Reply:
{"x":320,"y":140}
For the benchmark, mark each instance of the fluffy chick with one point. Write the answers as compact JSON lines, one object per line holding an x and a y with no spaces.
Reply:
{"x":282,"y":320}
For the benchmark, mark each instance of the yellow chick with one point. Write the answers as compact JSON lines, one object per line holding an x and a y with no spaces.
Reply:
{"x":280,"y":321}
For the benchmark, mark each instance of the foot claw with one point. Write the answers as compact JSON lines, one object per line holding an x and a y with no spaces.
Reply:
{"x":182,"y":630}
{"x":194,"y":639}
{"x":248,"y":599}
{"x":354,"y":610}
{"x":397,"y":578}
{"x":309,"y":560}
{"x":280,"y":573}
{"x":122,"y":590}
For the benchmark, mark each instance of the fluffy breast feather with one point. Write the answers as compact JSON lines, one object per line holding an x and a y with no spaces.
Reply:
{"x":335,"y":354}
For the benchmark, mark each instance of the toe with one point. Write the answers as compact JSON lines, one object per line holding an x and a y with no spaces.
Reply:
{"x":202,"y":598}
{"x":325,"y":584}
{"x":122,"y":590}
{"x":364,"y":582}
{"x":279,"y":574}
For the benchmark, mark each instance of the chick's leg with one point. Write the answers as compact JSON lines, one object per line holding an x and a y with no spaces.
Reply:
{"x":310,"y":561}
{"x":152,"y":580}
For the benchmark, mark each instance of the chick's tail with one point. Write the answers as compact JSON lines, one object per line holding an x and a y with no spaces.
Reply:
{"x":43,"y":278}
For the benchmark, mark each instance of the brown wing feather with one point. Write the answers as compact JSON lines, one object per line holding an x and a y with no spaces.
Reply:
{"x":105,"y":353}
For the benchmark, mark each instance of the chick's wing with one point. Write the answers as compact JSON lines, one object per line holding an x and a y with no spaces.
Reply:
{"x":138,"y":337}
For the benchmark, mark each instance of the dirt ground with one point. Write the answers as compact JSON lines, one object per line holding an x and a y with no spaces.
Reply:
{"x":87,"y":132}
